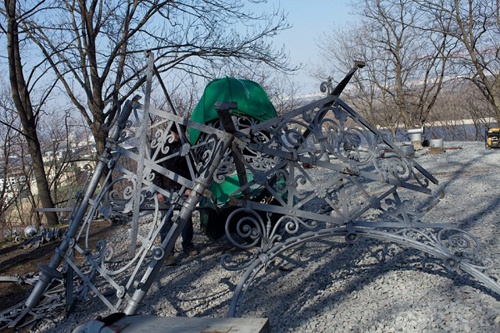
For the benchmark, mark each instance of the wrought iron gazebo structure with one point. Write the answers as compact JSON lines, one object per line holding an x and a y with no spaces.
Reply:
{"x":270,"y":203}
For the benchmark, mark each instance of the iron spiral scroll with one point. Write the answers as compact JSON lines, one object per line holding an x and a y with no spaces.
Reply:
{"x":358,"y":199}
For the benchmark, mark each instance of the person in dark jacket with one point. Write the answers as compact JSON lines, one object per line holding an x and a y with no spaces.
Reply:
{"x":177,"y":164}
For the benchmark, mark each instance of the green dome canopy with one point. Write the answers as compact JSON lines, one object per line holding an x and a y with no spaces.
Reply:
{"x":253,"y":102}
{"x":251,"y":98}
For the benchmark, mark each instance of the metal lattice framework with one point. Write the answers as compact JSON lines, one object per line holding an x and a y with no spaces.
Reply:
{"x":358,"y":197}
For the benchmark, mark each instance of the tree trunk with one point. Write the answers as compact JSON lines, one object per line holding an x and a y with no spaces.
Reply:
{"x":24,"y":108}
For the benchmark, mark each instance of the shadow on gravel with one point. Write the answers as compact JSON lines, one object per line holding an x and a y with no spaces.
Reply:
{"x":290,"y":292}
{"x":464,"y":171}
{"x":356,"y":266}
{"x":182,"y":287}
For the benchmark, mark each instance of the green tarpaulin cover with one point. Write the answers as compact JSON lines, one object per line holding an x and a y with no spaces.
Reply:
{"x":252,"y":101}
{"x":251,"y":98}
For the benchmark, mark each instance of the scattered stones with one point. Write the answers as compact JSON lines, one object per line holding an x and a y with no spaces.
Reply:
{"x":353,"y":289}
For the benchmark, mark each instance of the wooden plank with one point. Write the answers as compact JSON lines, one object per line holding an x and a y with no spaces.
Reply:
{"x":146,"y":324}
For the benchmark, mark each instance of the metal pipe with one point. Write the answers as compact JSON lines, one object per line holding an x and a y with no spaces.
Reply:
{"x":140,"y":162}
{"x":201,"y":184}
{"x":339,"y":89}
{"x":46,"y":276}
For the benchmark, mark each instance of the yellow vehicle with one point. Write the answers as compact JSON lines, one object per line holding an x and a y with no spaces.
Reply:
{"x":492,"y":138}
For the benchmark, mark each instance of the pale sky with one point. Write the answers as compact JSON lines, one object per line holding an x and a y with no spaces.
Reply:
{"x":310,"y":20}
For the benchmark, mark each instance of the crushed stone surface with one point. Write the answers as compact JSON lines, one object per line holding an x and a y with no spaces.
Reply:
{"x":368,"y":286}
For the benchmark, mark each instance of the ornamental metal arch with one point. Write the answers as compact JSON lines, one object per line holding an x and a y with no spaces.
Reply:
{"x":270,"y":204}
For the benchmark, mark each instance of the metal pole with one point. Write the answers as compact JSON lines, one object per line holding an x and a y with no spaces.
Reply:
{"x":143,"y":150}
{"x":339,"y":88}
{"x":201,"y":184}
{"x":50,"y":272}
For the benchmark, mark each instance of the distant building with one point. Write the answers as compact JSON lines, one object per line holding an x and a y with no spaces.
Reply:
{"x":13,"y":179}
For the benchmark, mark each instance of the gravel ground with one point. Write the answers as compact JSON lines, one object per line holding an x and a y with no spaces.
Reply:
{"x":368,"y":286}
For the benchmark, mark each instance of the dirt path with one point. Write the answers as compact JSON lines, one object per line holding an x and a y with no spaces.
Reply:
{"x":21,"y":261}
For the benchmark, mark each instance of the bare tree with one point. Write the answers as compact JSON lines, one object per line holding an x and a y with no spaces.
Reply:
{"x":461,"y":110}
{"x":475,"y":28}
{"x":21,"y":94}
{"x":405,"y":63}
{"x":66,"y":155}
{"x":9,"y":193}
{"x":96,"y":48}
{"x":371,"y":96}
